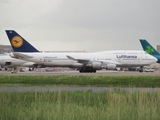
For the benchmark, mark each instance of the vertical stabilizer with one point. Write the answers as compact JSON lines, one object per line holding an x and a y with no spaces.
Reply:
{"x":18,"y":43}
{"x":148,"y":48}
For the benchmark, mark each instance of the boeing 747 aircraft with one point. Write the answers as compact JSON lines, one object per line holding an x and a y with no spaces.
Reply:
{"x":14,"y":64}
{"x":149,"y":49}
{"x":85,"y":62}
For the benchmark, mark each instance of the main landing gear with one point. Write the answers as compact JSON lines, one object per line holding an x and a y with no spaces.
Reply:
{"x":84,"y":70}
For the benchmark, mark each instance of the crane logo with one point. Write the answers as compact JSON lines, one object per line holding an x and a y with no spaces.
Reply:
{"x":17,"y":41}
{"x":149,"y":50}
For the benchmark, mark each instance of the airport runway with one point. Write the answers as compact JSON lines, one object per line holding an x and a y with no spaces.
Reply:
{"x":76,"y":88}
{"x":102,"y":72}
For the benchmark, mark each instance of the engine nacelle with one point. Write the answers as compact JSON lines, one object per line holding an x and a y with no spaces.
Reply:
{"x":77,"y":65}
{"x":100,"y":66}
{"x":96,"y":65}
{"x":111,"y":66}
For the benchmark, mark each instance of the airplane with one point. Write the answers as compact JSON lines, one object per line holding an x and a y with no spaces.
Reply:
{"x":85,"y":62}
{"x":149,"y":49}
{"x":14,"y":64}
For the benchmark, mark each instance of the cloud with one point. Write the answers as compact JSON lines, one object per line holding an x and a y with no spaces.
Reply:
{"x":91,"y":25}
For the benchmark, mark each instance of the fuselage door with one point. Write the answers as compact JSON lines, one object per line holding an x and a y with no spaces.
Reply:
{"x":139,"y":58}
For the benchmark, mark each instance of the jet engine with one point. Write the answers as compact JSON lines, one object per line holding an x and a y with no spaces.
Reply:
{"x":95,"y":65}
{"x":111,"y":66}
{"x":78,"y":65}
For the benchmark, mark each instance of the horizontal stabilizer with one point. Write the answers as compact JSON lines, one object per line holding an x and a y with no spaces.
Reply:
{"x":20,"y":55}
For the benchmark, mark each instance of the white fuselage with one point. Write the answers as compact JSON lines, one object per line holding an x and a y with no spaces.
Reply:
{"x":122,"y":58}
{"x":7,"y":60}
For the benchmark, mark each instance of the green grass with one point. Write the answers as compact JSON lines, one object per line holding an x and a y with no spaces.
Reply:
{"x":115,"y":105}
{"x":123,"y":81}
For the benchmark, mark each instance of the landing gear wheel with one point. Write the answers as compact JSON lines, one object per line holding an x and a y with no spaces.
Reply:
{"x":141,"y":69}
{"x":87,"y":71}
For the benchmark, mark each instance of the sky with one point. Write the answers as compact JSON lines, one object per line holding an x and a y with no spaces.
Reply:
{"x":82,"y":25}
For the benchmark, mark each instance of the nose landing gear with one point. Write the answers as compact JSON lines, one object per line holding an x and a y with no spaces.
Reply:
{"x":141,"y":69}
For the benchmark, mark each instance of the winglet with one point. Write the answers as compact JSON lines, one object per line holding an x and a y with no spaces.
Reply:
{"x":18,"y":43}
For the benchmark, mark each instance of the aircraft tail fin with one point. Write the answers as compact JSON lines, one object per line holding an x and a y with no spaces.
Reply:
{"x":148,"y":48}
{"x":18,"y":43}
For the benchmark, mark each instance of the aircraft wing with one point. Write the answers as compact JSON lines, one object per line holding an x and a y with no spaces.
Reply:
{"x":78,"y":60}
{"x":88,"y":60}
{"x":20,"y":55}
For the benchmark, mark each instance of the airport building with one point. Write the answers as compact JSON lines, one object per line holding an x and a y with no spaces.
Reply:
{"x":5,"y":49}
{"x":158,"y":48}
{"x":8,"y":49}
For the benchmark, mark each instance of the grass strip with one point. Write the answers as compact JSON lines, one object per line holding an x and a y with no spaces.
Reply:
{"x":122,"y":81}
{"x":115,"y":105}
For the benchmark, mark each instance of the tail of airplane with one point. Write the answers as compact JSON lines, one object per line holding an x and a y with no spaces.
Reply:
{"x":18,"y":43}
{"x":148,"y":48}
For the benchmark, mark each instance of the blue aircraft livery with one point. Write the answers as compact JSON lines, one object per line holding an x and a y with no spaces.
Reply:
{"x":18,"y":43}
{"x":127,"y":56}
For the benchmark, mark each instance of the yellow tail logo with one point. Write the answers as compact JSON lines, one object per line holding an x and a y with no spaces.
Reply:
{"x":17,"y":41}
